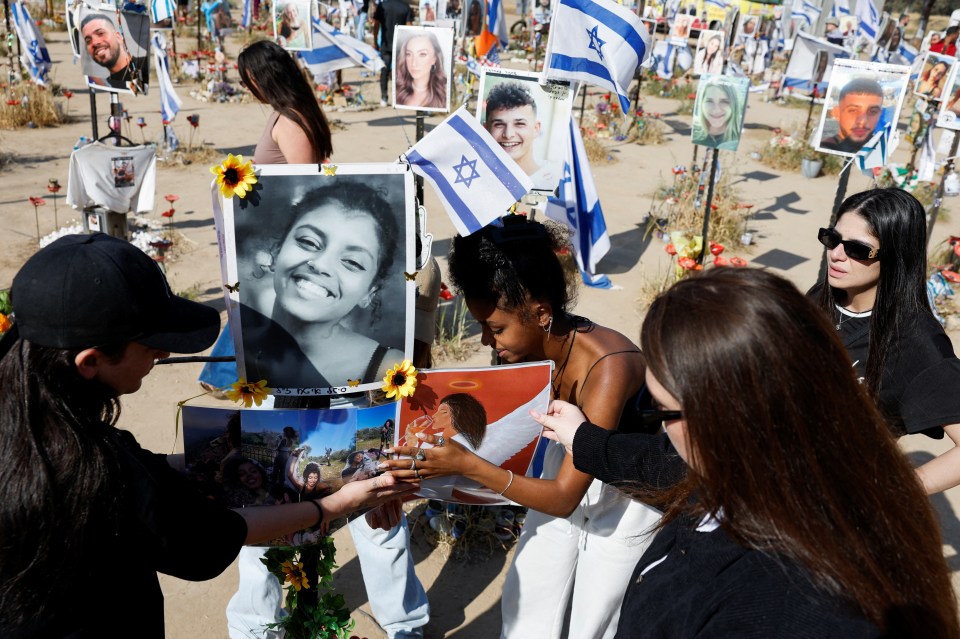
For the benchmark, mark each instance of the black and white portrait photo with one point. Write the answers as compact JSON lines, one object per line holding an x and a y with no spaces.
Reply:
{"x":114,"y":58}
{"x":325,"y":306}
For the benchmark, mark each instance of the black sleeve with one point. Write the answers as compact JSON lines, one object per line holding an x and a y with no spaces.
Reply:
{"x":378,"y":13}
{"x":931,"y":400}
{"x":614,"y":457}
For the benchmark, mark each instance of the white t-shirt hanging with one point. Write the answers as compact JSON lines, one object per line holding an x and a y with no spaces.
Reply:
{"x":118,"y":178}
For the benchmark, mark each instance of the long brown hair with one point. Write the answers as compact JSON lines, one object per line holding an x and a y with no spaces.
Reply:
{"x":790,"y":449}
{"x":274,"y":78}
{"x":438,"y":77}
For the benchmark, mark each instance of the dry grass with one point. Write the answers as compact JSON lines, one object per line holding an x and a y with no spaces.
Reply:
{"x":648,"y":130}
{"x":451,"y":344}
{"x":41,"y":107}
{"x":197,"y":154}
{"x":786,"y":151}
{"x":596,"y":150}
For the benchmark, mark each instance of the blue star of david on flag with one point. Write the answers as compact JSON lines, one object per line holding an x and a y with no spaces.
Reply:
{"x":595,"y":42}
{"x":461,"y":168}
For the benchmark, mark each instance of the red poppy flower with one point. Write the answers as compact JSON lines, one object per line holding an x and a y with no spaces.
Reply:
{"x":68,"y":94}
{"x":687,"y":263}
{"x":37,"y":201}
{"x":168,"y":213}
{"x":720,"y":260}
{"x":691,"y":96}
{"x":953,"y":240}
{"x":952,"y":276}
{"x":445,"y":293}
{"x":670,"y":249}
{"x":956,"y":249}
{"x":738,"y":261}
{"x":716,"y":248}
{"x":171,"y":198}
{"x":13,"y":102}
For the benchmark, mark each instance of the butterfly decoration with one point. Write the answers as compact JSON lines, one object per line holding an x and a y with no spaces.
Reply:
{"x":410,"y":276}
{"x":329,"y":169}
{"x":353,"y":382}
{"x":235,"y":288}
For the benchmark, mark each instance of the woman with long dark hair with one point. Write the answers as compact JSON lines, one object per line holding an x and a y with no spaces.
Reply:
{"x":581,"y":538}
{"x":798,"y":515}
{"x":875,"y":294}
{"x":297,"y":132}
{"x":78,"y":496}
{"x":421,"y":78}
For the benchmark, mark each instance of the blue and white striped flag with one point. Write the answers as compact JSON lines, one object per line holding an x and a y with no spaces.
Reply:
{"x":578,"y":206}
{"x":840,"y":8}
{"x":161,"y":10}
{"x":720,"y":4}
{"x":496,"y":22}
{"x":34,"y":54}
{"x":868,"y":18}
{"x":806,"y":12}
{"x":596,"y":41}
{"x":336,"y":50}
{"x":873,"y":154}
{"x":474,"y":178}
{"x":246,"y":20}
{"x":169,"y":100}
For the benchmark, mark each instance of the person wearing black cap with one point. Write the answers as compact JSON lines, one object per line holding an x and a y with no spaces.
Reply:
{"x":88,"y":517}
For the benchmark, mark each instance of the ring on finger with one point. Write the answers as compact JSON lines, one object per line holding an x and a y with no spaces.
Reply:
{"x":421,"y":455}
{"x":440,"y":440}
{"x":417,"y":473}
{"x":413,"y":464}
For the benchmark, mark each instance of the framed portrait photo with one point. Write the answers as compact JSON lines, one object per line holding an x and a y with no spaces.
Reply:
{"x":318,"y":272}
{"x":949,"y":116}
{"x":680,"y":29}
{"x":114,"y":56}
{"x":709,"y":55}
{"x":862,"y":98}
{"x":529,"y":120}
{"x":718,"y":111}
{"x":291,"y":24}
{"x":933,"y":76}
{"x":422,"y":68}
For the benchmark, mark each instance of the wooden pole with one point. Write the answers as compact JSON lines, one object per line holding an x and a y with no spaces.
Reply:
{"x":706,"y":209}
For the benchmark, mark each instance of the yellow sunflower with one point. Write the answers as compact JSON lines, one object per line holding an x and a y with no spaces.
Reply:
{"x":248,"y":392}
{"x":234,"y":176}
{"x":294,"y":575}
{"x":401,"y":380}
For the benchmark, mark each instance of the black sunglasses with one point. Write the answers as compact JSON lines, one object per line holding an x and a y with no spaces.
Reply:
{"x":655,"y":417}
{"x":853,"y":248}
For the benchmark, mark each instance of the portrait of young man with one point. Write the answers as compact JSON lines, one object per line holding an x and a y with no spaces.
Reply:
{"x":857,"y":114}
{"x":106,"y":57}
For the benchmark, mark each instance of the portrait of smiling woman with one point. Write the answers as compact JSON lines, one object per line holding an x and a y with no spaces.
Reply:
{"x":322,"y":293}
{"x":421,"y":79}
{"x":718,"y":111}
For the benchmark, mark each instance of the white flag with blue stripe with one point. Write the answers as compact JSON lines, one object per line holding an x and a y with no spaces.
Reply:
{"x":336,"y":50}
{"x":34,"y":54}
{"x":246,"y":20}
{"x":161,"y":10}
{"x":868,"y":18}
{"x":840,"y":8}
{"x":169,"y":100}
{"x":598,"y":42}
{"x":577,"y":205}
{"x":496,"y":22}
{"x":806,"y":12}
{"x":873,"y":154}
{"x":720,"y":4}
{"x":475,"y":179}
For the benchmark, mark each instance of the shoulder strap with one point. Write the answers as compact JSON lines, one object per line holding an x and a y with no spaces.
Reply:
{"x":375,"y":361}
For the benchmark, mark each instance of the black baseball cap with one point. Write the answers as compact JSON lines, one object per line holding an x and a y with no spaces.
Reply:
{"x":83,"y":291}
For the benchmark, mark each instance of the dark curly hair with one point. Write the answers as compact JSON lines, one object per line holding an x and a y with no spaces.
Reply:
{"x":508,"y":95}
{"x":511,"y":265}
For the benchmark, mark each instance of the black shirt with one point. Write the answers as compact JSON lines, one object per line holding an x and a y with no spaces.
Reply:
{"x":389,"y":14}
{"x":846,"y":145}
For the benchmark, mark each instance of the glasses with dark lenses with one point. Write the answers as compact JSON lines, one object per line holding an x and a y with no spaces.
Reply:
{"x":853,"y":248}
{"x":651,"y":418}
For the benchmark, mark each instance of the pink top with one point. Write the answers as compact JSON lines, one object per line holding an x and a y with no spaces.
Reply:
{"x":268,"y":151}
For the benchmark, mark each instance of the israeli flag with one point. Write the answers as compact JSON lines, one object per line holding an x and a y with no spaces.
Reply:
{"x":577,"y":205}
{"x":161,"y":10}
{"x":169,"y":100}
{"x":840,"y":8}
{"x":598,"y":42}
{"x":496,"y":22}
{"x":806,"y":12}
{"x":475,"y":179}
{"x":868,"y":18}
{"x":873,"y":154}
{"x":720,"y":4}
{"x":336,"y":50}
{"x":246,"y":21}
{"x":34,"y":54}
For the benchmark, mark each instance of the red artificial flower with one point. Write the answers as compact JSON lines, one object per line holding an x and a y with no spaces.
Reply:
{"x":691,"y":96}
{"x":13,"y":102}
{"x":68,"y":94}
{"x":37,"y":201}
{"x":720,"y":260}
{"x":670,"y":249}
{"x":716,"y":248}
{"x":738,"y":261}
{"x":445,"y":293}
{"x":687,"y":263}
{"x":171,"y":198}
{"x":951,"y":276}
{"x":956,"y":249}
{"x":168,"y":213}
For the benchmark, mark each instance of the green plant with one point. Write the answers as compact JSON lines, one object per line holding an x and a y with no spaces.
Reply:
{"x":786,"y":151}
{"x":450,"y":343}
{"x":314,"y":610}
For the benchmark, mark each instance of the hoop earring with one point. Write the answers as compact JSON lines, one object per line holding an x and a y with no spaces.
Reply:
{"x":546,"y":329}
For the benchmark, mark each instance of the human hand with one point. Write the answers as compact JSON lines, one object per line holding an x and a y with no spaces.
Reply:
{"x":561,"y":422}
{"x":450,"y":458}
{"x":386,"y":515}
{"x":367,"y":494}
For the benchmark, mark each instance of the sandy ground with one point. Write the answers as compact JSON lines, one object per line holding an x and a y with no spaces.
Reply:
{"x":465,"y":598}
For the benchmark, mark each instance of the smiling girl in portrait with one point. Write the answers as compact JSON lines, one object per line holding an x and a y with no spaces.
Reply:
{"x":330,"y":261}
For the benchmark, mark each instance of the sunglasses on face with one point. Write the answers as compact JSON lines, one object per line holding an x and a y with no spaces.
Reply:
{"x":650,"y":418}
{"x":853,"y":248}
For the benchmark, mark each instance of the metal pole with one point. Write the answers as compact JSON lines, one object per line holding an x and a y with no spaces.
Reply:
{"x":706,"y":210}
{"x":938,"y":199}
{"x":199,"y":30}
{"x":583,"y":103}
{"x":93,"y":113}
{"x":418,"y":180}
{"x":838,"y":199}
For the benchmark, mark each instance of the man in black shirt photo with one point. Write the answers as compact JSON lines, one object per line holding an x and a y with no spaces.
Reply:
{"x":105,"y":46}
{"x":388,"y":15}
{"x":857,"y":114}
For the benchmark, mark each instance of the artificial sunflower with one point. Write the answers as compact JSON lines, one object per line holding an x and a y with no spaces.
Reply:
{"x":294,"y":575}
{"x":234,"y":176}
{"x":248,"y":392}
{"x":401,"y":380}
